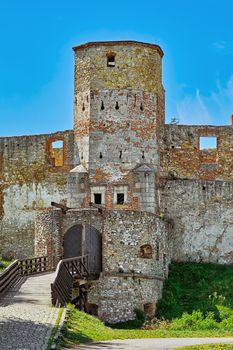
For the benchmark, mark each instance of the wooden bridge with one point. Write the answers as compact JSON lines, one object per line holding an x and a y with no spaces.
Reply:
{"x":32,"y":281}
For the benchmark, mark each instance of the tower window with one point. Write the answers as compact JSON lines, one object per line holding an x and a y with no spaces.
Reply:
{"x":120,"y":198}
{"x":97,"y":198}
{"x":111,"y":61}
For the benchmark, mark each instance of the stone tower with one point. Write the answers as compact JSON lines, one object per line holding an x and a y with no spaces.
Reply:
{"x":118,"y":110}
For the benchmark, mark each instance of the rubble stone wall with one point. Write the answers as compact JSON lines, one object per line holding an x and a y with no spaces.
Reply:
{"x":202,"y":213}
{"x":29,"y":181}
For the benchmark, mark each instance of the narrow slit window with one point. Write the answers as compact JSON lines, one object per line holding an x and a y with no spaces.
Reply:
{"x":117,"y":105}
{"x":111,"y":61}
{"x":97,"y":198}
{"x":208,"y":142}
{"x":120,"y":198}
{"x":102,"y":106}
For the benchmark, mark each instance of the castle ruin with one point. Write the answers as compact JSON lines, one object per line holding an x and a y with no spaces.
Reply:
{"x":138,"y":192}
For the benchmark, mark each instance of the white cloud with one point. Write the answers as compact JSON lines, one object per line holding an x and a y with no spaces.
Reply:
{"x":219,"y":45}
{"x":215,"y":108}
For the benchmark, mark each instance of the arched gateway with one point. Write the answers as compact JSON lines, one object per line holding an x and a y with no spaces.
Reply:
{"x":84,"y":240}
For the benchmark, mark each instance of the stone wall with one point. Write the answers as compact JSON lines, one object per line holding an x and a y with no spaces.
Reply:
{"x":117,"y":113}
{"x":202,"y":212}
{"x":130,"y":277}
{"x":182,"y":157}
{"x":29,"y":181}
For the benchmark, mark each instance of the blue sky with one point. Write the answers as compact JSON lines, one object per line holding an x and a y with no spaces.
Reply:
{"x":36,"y":60}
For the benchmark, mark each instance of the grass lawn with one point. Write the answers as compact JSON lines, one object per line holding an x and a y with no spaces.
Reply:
{"x":208,"y":347}
{"x":197,"y":301}
{"x":82,"y":328}
{"x":4,"y":263}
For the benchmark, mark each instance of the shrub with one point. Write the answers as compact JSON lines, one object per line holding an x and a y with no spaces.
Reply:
{"x":195,"y":321}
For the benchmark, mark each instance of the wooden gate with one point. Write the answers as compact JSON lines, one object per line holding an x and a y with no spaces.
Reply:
{"x":82,"y":240}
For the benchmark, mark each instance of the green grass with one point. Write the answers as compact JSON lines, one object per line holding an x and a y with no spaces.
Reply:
{"x":4,"y":263}
{"x":82,"y":328}
{"x":197,"y":301}
{"x":55,"y":329}
{"x":193,"y":286}
{"x":208,"y":347}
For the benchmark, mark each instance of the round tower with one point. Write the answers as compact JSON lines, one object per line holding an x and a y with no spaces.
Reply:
{"x":118,"y":109}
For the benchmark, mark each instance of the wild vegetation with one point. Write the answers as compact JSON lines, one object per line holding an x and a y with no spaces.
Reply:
{"x":197,"y":301}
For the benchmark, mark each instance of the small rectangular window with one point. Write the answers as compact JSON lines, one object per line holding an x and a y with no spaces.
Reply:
{"x":98,"y":198}
{"x":111,"y":61}
{"x":208,"y":142}
{"x":57,"y":152}
{"x":120,"y":198}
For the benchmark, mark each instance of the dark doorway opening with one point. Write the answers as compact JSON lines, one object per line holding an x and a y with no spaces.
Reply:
{"x":84,"y":240}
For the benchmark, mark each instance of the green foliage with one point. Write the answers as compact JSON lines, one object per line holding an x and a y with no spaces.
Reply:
{"x":4,"y":262}
{"x":192,"y":286}
{"x":195,"y":321}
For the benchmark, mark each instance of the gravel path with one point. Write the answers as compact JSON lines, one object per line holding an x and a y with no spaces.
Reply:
{"x":150,"y":344}
{"x":26,"y":317}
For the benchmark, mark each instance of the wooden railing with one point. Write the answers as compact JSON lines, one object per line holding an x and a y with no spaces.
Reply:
{"x":9,"y":276}
{"x":20,"y":268}
{"x":33,"y":265}
{"x":67,"y":270}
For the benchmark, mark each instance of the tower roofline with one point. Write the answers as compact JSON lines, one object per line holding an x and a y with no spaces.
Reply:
{"x":122,"y":42}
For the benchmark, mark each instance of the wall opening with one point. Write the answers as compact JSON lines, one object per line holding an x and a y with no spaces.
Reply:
{"x":149,"y":309}
{"x":111,"y":60}
{"x":98,"y":194}
{"x":97,"y":198}
{"x":92,"y":309}
{"x":120,"y":195}
{"x":157,"y":251}
{"x":57,"y":152}
{"x":146,"y":251}
{"x":82,"y":240}
{"x":120,"y":198}
{"x":207,"y":142}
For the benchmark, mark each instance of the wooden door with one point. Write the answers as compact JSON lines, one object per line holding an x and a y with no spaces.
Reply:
{"x":73,"y":242}
{"x":93,"y":248}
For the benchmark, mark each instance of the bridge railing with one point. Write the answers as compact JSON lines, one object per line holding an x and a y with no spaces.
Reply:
{"x":67,"y":270}
{"x":9,"y":276}
{"x":33,"y":265}
{"x":20,"y":268}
